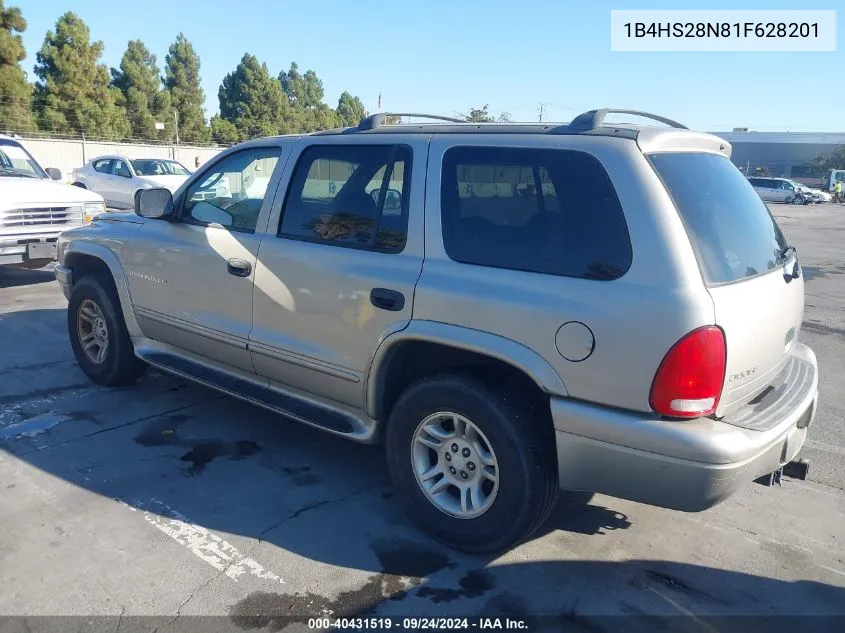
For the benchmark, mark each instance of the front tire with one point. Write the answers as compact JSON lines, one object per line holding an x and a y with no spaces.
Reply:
{"x":98,"y":334}
{"x":475,"y":468}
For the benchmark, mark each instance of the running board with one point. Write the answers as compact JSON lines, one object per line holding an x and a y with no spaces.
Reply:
{"x":288,"y":404}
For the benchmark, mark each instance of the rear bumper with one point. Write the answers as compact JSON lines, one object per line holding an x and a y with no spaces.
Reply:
{"x":684,"y":465}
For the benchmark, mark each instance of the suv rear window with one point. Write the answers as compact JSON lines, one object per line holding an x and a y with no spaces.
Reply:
{"x":731,"y":230}
{"x":538,"y":210}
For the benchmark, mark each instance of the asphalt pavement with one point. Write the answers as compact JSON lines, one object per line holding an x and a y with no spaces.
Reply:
{"x":156,"y":503}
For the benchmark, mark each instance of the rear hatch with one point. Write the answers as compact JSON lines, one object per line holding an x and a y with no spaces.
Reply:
{"x":749,"y":269}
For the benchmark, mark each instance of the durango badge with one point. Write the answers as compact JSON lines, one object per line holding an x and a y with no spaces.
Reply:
{"x":152,"y":278}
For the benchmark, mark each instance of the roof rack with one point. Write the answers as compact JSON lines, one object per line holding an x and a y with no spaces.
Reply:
{"x":595,"y":119}
{"x":378,"y":120}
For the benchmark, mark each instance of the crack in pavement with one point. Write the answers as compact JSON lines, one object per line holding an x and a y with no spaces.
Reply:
{"x":258,"y":541}
{"x":44,"y":365}
{"x":303,"y":509}
{"x":120,"y":618}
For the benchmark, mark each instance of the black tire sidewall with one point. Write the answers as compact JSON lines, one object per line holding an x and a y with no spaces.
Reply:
{"x":521,"y":488}
{"x":92,"y":288}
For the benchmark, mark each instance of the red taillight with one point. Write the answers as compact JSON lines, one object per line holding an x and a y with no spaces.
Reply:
{"x":688,"y":383}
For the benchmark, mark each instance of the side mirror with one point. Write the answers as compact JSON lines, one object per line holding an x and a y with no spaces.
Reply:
{"x":154,"y":203}
{"x":54,"y":173}
{"x":392,"y":198}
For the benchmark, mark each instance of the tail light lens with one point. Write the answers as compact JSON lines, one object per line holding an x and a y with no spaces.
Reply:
{"x":688,"y":383}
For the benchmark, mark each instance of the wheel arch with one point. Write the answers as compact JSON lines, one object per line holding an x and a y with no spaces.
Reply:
{"x":427,"y":347}
{"x":86,"y":258}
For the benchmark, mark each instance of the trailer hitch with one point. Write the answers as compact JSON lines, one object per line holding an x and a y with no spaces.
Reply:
{"x":797,"y":469}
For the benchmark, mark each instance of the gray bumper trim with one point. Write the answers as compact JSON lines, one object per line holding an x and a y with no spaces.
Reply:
{"x":684,"y":465}
{"x":64,"y":276}
{"x":787,"y":390}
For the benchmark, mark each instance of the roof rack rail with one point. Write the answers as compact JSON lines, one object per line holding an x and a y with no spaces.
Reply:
{"x":595,"y":119}
{"x":378,"y":120}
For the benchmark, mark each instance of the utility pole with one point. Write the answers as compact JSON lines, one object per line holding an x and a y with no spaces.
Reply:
{"x":176,"y":117}
{"x":542,"y":110}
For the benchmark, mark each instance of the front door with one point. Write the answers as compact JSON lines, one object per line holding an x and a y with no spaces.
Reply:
{"x":191,"y":280}
{"x":337,"y":271}
{"x":121,"y":184}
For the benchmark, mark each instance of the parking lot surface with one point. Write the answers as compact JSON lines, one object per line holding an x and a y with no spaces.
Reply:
{"x":168,"y":499}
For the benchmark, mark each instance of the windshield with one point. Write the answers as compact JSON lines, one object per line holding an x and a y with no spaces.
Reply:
{"x":731,"y":230}
{"x":15,"y":161}
{"x":159,"y":167}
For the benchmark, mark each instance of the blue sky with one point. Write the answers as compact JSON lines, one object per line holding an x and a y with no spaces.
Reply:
{"x":446,"y":56}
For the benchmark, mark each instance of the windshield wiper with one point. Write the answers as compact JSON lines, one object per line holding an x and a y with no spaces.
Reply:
{"x":8,"y":171}
{"x":786,"y":253}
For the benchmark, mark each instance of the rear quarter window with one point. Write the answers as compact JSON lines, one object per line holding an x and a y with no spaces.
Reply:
{"x":731,"y":230}
{"x":536,"y":210}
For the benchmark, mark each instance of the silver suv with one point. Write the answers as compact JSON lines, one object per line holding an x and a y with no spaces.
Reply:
{"x":510,"y":309}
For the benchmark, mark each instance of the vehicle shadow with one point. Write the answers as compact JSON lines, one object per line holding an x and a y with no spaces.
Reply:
{"x":13,"y":277}
{"x":181,"y":454}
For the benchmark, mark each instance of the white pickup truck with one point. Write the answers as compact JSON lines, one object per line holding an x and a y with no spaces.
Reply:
{"x":35,"y":208}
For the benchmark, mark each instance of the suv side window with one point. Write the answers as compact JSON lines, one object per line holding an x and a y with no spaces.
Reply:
{"x":537,"y":210}
{"x":103,"y":166}
{"x":350,"y":195}
{"x":231,"y":192}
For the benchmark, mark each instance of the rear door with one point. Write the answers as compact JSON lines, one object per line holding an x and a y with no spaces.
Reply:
{"x":745,"y":263}
{"x":771,"y":191}
{"x":97,"y":178}
{"x":337,"y":270}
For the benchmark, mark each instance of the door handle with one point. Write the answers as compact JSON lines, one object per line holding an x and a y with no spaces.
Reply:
{"x":387,"y":299}
{"x":239,"y":267}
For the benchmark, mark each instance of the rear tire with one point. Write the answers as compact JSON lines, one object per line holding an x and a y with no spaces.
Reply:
{"x":98,"y":334}
{"x":509,"y":433}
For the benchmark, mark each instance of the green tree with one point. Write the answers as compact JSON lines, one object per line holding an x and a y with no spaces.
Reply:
{"x":306,"y":112}
{"x":73,"y":94}
{"x":478,"y":115}
{"x":15,"y":91}
{"x":223,"y":132}
{"x":482,"y":115}
{"x":305,"y":91}
{"x":350,"y":110}
{"x":252,"y":100}
{"x":823,"y":163}
{"x":139,"y":82}
{"x":182,"y":79}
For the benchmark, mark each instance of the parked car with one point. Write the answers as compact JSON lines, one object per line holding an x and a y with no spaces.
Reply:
{"x":119,"y":178}
{"x":600,"y":308}
{"x":780,"y":190}
{"x":35,"y":207}
{"x":817,"y":195}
